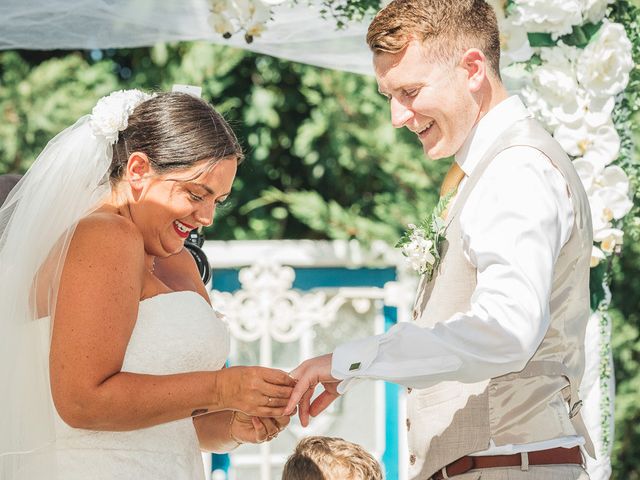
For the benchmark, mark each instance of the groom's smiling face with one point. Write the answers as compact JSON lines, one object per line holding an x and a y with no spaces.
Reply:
{"x":436,"y":100}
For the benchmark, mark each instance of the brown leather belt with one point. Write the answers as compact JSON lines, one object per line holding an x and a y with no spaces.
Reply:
{"x":553,"y":456}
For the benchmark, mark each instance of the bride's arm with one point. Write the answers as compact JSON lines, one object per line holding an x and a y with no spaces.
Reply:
{"x":97,"y":307}
{"x":214,"y":432}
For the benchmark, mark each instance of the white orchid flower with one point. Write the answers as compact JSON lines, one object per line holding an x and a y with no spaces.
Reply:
{"x":604,"y":66}
{"x":597,"y":256}
{"x":556,"y":77}
{"x":514,"y":43}
{"x":261,"y":12}
{"x":220,"y":23}
{"x":599,"y":145}
{"x":586,"y":172}
{"x":515,"y":77}
{"x":609,"y":239}
{"x":615,"y":177}
{"x":608,"y":204}
{"x":539,"y":107}
{"x":594,"y":178}
{"x":595,"y":10}
{"x":256,"y":29}
{"x":597,"y":110}
{"x":551,"y":16}
{"x":228,"y":16}
{"x":561,"y":56}
{"x":219,"y":6}
{"x":556,"y":82}
{"x":418,"y":251}
{"x":584,"y":108}
{"x":241,"y":10}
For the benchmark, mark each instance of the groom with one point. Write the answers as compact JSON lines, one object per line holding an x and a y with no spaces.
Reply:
{"x":494,"y":356}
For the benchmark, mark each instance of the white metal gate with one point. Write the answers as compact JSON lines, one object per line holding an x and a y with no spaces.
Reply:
{"x":277,"y":317}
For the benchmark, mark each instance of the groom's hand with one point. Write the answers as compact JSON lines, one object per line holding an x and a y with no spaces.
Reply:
{"x":309,"y":374}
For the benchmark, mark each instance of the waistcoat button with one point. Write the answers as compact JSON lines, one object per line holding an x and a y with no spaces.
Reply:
{"x":412,"y":459}
{"x":408,"y":424}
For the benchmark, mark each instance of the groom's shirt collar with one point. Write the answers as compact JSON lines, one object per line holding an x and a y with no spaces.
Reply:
{"x":487,"y":130}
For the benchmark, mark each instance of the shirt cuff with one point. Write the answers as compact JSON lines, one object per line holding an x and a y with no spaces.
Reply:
{"x":351,"y":360}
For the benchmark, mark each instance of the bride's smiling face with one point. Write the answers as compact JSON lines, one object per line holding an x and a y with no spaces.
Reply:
{"x":166,"y":207}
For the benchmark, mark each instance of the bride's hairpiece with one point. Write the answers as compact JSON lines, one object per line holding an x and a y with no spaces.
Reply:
{"x":110,"y":116}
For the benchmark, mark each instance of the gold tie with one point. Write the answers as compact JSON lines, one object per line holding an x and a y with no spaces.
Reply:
{"x":450,"y":183}
{"x":452,"y":179}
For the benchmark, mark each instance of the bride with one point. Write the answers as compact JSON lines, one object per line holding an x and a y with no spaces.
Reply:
{"x":111,"y":357}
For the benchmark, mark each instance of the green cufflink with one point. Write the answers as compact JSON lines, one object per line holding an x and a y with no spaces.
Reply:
{"x":354,"y":366}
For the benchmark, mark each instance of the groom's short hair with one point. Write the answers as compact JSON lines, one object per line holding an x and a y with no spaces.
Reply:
{"x":446,"y":28}
{"x":330,"y":458}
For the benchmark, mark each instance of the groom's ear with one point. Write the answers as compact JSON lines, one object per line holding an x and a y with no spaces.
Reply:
{"x":138,"y":168}
{"x":474,"y":64}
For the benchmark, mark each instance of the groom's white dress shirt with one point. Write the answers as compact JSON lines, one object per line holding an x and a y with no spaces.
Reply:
{"x":513,"y":226}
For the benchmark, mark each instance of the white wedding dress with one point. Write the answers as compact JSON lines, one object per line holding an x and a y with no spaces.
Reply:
{"x":175,"y":332}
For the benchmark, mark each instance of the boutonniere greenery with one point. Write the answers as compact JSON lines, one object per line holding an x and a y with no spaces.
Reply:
{"x":421,"y":244}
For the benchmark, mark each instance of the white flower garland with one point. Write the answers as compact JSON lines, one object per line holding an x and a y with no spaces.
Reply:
{"x":573,"y":91}
{"x":228,"y":17}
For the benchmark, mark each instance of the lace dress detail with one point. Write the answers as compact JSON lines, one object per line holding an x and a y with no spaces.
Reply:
{"x":175,"y":333}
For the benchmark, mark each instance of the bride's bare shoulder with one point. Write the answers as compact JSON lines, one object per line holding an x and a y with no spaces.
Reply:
{"x":107,"y":237}
{"x":108,"y":227}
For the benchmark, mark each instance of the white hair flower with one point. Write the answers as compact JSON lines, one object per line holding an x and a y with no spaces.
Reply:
{"x":111,"y":114}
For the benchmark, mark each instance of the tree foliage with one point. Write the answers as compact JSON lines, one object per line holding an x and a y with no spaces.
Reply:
{"x":322,"y":158}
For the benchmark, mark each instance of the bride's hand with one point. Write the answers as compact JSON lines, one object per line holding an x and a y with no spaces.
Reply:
{"x":246,"y":429}
{"x":256,"y":391}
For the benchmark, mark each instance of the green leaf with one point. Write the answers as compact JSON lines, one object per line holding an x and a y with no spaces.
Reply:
{"x":596,"y":286}
{"x":442,"y":204}
{"x":439,"y":224}
{"x":540,"y":39}
{"x":581,"y":34}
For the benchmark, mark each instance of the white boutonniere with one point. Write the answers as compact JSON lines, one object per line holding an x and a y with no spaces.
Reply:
{"x":421,"y":244}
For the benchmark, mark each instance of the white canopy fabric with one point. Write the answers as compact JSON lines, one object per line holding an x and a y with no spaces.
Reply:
{"x":296,"y":33}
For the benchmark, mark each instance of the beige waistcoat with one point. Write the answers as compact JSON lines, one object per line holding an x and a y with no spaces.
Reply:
{"x":452,"y":419}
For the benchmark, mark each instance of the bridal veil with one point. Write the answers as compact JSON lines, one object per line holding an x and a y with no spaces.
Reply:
{"x":68,"y":180}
